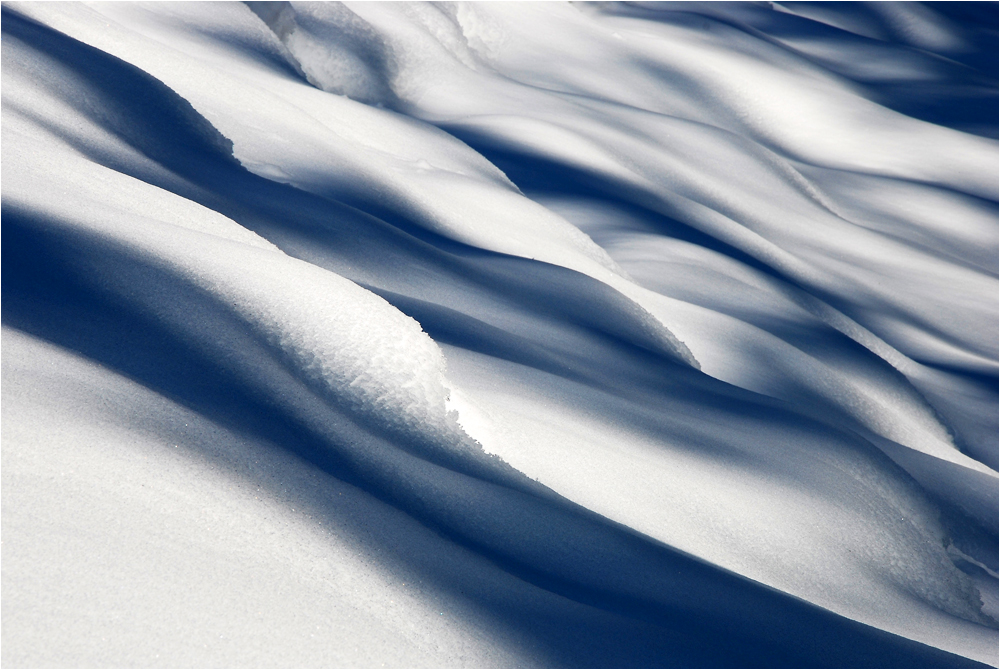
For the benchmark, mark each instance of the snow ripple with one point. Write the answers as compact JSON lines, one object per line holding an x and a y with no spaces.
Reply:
{"x":622,"y":334}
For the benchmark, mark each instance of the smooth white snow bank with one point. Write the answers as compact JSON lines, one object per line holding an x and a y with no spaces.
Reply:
{"x":181,"y":543}
{"x":541,"y":291}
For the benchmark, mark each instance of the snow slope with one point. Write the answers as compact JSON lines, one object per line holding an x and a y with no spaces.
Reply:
{"x":499,"y":334}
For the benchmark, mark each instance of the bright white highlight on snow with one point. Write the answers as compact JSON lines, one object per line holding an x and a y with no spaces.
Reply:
{"x":475,"y":334}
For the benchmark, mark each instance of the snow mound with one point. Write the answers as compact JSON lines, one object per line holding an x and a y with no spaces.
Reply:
{"x":336,"y":49}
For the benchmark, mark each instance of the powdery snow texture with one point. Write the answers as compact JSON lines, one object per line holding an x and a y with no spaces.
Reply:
{"x":499,"y":335}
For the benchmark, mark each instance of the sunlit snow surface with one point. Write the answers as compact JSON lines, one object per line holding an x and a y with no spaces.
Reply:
{"x":499,"y":335}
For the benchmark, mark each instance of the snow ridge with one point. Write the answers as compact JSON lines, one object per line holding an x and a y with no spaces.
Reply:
{"x":500,"y":335}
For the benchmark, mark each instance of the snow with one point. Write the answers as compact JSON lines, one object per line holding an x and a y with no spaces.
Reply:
{"x":499,"y":335}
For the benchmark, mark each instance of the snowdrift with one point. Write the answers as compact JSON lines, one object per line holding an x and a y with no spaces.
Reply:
{"x":499,"y":335}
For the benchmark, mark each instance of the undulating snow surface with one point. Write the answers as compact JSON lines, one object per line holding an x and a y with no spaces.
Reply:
{"x":499,"y":334}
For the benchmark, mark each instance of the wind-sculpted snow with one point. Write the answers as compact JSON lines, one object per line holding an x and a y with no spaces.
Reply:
{"x":499,"y":335}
